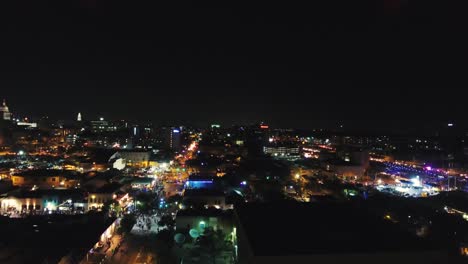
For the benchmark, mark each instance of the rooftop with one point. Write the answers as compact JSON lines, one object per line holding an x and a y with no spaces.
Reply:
{"x":48,"y":239}
{"x":211,"y":212}
{"x":109,"y":188}
{"x":46,"y":173}
{"x":27,"y":193}
{"x":292,"y":228}
{"x":202,"y":177}
{"x":142,"y":180}
{"x":202,"y":192}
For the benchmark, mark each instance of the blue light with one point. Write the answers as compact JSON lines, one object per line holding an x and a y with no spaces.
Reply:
{"x":201,"y":181}
{"x":176,"y":131}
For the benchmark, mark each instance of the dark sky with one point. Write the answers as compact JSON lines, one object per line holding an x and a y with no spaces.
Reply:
{"x":364,"y":63}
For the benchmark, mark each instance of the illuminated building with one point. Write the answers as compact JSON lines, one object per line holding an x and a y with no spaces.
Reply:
{"x":27,"y":201}
{"x":200,"y":182}
{"x":26,"y":124}
{"x":282,"y":152}
{"x":175,"y":140}
{"x":172,"y":138}
{"x":78,"y":118}
{"x":344,"y":169}
{"x":464,"y":250}
{"x":102,"y":125}
{"x":103,"y":195}
{"x":133,"y":158}
{"x":141,"y":183}
{"x":4,"y":111}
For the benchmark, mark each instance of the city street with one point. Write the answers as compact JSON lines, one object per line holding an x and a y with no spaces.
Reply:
{"x":146,"y":225}
{"x":135,"y":249}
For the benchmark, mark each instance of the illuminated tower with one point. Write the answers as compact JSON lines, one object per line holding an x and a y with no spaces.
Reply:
{"x":79,"y":117}
{"x":4,"y":111}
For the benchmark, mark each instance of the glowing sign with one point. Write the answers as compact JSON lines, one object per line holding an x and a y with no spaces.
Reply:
{"x":264,"y":127}
{"x":176,"y":131}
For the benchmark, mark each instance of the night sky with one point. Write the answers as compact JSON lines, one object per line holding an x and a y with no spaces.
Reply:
{"x":366,"y":63}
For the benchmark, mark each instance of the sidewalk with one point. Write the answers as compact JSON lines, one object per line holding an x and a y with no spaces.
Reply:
{"x":115,"y":243}
{"x":122,"y":254}
{"x":105,"y":253}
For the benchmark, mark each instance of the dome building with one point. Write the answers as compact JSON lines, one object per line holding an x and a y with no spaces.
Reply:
{"x":4,"y":112}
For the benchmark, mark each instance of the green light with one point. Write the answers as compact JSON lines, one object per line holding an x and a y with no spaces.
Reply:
{"x":202,"y":224}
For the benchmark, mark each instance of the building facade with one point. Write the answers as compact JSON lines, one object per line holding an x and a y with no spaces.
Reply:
{"x":45,"y":179}
{"x":5,"y":111}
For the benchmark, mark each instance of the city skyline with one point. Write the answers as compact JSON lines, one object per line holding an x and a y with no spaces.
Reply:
{"x":315,"y":122}
{"x":233,"y":132}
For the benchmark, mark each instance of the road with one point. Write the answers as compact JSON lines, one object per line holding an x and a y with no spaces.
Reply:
{"x":135,"y":249}
{"x":139,"y":247}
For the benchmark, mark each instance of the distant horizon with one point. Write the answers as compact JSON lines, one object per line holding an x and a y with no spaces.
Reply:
{"x":348,"y":126}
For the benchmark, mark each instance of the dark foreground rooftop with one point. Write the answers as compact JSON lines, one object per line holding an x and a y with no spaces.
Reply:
{"x":304,"y":229}
{"x":211,"y":212}
{"x":202,"y":192}
{"x":47,"y":239}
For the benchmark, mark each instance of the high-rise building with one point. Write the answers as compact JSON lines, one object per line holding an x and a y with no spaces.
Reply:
{"x":4,"y":111}
{"x":79,"y":119}
{"x":102,"y":125}
{"x":175,"y":139}
{"x":172,"y":138}
{"x":257,"y":139}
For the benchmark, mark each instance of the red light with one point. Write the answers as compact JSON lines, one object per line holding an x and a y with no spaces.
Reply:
{"x":264,"y":126}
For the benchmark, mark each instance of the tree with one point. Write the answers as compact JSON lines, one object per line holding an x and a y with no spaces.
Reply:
{"x":212,"y":242}
{"x":112,"y":208}
{"x":167,"y":220}
{"x":175,"y":198}
{"x":127,"y":223}
{"x":164,"y":242}
{"x":145,"y":202}
{"x":115,"y":208}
